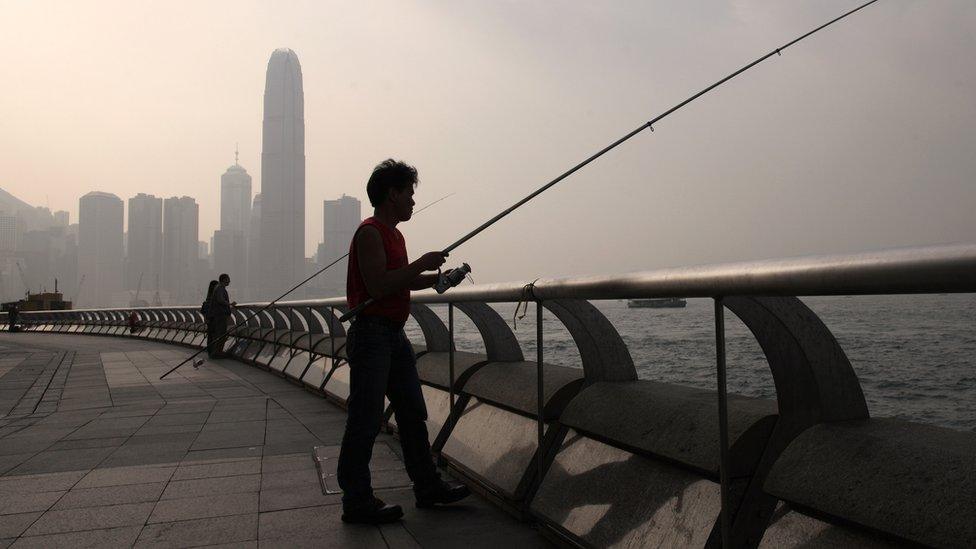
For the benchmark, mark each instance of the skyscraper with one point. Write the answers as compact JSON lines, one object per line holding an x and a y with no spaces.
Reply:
{"x":99,"y":248}
{"x":281,"y":258}
{"x":144,"y":253}
{"x":340,"y":220}
{"x":181,"y":225}
{"x":235,"y":198}
{"x":230,"y":241}
{"x":11,"y":230}
{"x":229,"y":254}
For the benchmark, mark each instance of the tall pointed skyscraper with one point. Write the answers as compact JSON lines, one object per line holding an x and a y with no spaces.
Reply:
{"x":235,"y":198}
{"x":229,"y":249}
{"x":282,"y":247}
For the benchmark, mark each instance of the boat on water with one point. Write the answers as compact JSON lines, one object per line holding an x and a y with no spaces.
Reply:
{"x":658,"y":303}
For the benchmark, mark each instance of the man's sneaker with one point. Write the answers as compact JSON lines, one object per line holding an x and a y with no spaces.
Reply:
{"x":440,"y":492}
{"x":376,"y":512}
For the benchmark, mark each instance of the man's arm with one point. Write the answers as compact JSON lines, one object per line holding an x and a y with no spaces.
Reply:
{"x":424,"y":282}
{"x":381,"y":282}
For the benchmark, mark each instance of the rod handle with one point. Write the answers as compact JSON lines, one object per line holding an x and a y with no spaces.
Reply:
{"x":356,"y":310}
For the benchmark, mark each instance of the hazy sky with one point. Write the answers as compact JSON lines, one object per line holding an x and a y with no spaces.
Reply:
{"x":862,"y":137}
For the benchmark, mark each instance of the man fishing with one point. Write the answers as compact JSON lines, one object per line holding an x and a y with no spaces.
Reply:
{"x":381,"y":360}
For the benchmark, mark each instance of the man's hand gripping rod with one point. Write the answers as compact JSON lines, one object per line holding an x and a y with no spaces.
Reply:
{"x":282,"y":296}
{"x":648,"y":125}
{"x":451,"y":278}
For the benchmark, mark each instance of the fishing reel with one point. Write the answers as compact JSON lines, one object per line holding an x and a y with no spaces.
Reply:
{"x":452,"y":278}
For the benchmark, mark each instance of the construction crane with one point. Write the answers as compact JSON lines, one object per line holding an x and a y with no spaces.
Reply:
{"x":156,"y":301}
{"x":23,"y":278}
{"x":78,"y":291}
{"x":135,"y":301}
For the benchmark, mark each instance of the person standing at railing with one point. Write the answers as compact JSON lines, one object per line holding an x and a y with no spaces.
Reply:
{"x":206,"y":308}
{"x":381,"y":360}
{"x":12,"y":316}
{"x":220,"y":309}
{"x":133,"y":321}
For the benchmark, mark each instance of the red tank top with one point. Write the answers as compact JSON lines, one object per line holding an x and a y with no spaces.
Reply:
{"x":395,"y":307}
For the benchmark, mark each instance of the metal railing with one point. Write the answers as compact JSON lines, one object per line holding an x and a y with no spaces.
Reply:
{"x":757,"y":292}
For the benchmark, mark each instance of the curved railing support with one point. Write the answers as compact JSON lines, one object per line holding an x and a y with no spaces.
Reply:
{"x":603,"y":354}
{"x":436,"y":337}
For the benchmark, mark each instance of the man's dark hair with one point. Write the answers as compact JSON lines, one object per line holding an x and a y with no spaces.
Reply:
{"x":389,"y":174}
{"x":223,"y":277}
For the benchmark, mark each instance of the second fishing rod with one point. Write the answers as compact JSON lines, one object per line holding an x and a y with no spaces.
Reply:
{"x":649,"y":125}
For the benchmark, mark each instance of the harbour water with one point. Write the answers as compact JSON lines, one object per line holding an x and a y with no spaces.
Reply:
{"x":915,"y":356}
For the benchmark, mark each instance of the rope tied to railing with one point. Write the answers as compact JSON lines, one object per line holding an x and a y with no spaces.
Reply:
{"x":528,"y":294}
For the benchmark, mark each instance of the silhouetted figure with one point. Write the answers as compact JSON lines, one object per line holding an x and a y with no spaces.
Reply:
{"x":219,"y":311}
{"x":206,"y":310}
{"x":13,"y":314}
{"x":133,"y":320}
{"x":381,"y":360}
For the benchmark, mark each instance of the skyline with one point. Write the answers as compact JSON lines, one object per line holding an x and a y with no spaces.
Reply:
{"x":853,"y":141}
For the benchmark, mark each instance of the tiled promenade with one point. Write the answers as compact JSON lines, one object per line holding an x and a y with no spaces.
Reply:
{"x":95,"y":451}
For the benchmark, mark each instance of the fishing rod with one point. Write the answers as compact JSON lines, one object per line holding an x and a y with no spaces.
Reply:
{"x":648,"y":125}
{"x":282,"y":296}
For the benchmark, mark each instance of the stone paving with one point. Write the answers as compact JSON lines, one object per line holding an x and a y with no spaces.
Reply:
{"x":95,"y":451}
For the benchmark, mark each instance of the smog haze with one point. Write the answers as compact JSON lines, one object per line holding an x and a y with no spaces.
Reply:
{"x":859,"y":138}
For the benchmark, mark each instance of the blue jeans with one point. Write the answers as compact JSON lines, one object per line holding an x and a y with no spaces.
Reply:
{"x":382,"y":363}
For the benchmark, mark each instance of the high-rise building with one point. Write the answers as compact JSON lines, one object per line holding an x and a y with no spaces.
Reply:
{"x":253,"y":249}
{"x":340,"y":220}
{"x":181,"y":250}
{"x":32,"y":218}
{"x":204,"y":268}
{"x":282,"y":247}
{"x":61,"y":218}
{"x":229,"y":253}
{"x":235,"y":198}
{"x":230,"y":243}
{"x":42,"y":252}
{"x":144,"y":249}
{"x":11,"y":229}
{"x":99,"y":249}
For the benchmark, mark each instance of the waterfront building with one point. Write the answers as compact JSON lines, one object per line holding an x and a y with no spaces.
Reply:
{"x":235,"y":198}
{"x":181,"y":250}
{"x":32,"y":218}
{"x":11,"y":229}
{"x":229,"y":253}
{"x":341,"y":218}
{"x":282,"y":240}
{"x":42,"y":252}
{"x":230,"y":242}
{"x":100,"y":261}
{"x":144,"y":248}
